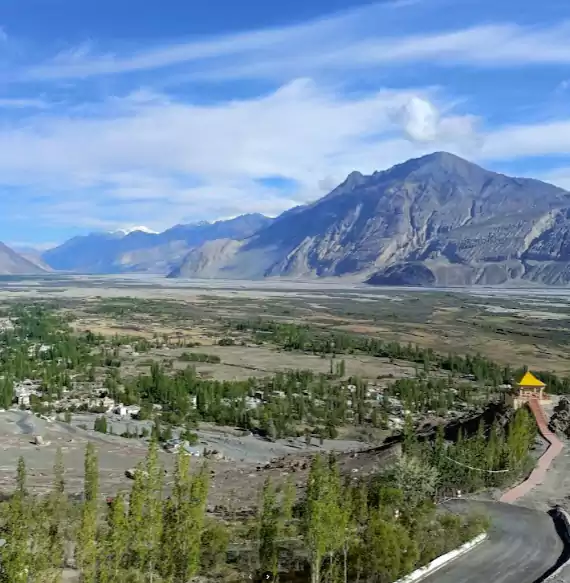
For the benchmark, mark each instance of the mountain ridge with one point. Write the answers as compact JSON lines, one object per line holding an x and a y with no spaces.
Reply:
{"x":461,"y":223}
{"x":143,"y":251}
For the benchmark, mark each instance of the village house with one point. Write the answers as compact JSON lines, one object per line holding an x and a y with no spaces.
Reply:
{"x":105,"y":402}
{"x":24,"y":390}
{"x":127,"y":410}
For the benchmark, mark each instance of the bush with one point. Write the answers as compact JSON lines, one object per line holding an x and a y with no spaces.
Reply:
{"x":100,"y":424}
{"x":190,"y":436}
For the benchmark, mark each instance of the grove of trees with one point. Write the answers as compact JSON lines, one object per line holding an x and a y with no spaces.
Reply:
{"x":337,"y":530}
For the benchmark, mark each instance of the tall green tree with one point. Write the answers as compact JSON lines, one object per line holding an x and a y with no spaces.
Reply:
{"x":153,"y":476}
{"x":138,"y":549}
{"x":16,"y":555}
{"x":322,"y":515}
{"x":269,"y":520}
{"x":113,"y":549}
{"x":184,"y":520}
{"x":56,"y":511}
{"x":388,"y":548}
{"x":86,"y":552}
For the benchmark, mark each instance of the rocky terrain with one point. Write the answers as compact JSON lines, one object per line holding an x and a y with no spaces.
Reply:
{"x":560,"y":418}
{"x":436,"y":220}
{"x":141,"y":251}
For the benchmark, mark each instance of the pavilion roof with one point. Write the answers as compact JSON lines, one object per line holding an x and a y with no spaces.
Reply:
{"x":529,"y":380}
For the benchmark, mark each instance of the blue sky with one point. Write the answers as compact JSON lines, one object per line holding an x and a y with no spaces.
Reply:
{"x":121,"y":113}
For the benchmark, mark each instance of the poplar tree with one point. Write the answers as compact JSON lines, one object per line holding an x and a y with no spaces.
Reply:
{"x":114,"y":546}
{"x":321,"y":515}
{"x":87,"y":536}
{"x":40,"y":567}
{"x":57,"y":514}
{"x":152,"y":518}
{"x":410,"y":442}
{"x":197,"y":507}
{"x":137,"y":500}
{"x":287,"y":506}
{"x":521,"y":433}
{"x":185,"y":519}
{"x":269,"y":530}
{"x":16,"y":555}
{"x":169,"y":541}
{"x":336,"y":516}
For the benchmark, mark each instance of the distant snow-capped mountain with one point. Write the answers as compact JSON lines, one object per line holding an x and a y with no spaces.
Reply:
{"x":130,"y":230}
{"x":141,"y":250}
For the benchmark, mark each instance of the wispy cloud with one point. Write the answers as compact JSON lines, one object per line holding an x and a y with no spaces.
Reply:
{"x":29,"y":246}
{"x":357,"y":39}
{"x":23,"y":103}
{"x":521,"y":140}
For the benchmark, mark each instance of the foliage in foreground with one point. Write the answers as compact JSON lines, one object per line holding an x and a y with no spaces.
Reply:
{"x":339,"y":530}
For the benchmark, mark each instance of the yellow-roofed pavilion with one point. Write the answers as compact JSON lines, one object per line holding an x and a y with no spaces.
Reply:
{"x":529,"y":387}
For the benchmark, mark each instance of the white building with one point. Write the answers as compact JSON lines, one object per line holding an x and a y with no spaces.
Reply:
{"x":127,"y":411}
{"x":252,"y":403}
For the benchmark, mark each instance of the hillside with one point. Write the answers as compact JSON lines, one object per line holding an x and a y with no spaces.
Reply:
{"x":143,"y":251}
{"x":12,"y":263}
{"x":435,"y":220}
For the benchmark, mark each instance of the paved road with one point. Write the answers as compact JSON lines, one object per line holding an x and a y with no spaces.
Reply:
{"x":522,"y":545}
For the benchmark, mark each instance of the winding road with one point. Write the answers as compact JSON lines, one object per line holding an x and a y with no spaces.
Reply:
{"x":522,"y":546}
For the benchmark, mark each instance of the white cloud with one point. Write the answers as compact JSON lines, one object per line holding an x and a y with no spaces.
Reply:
{"x":420,"y":120}
{"x":155,"y":160}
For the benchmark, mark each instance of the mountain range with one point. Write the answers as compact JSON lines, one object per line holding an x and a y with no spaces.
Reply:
{"x":143,"y":251}
{"x":434,"y":220}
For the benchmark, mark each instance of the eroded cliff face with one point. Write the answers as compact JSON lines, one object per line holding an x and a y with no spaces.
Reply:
{"x":436,"y":220}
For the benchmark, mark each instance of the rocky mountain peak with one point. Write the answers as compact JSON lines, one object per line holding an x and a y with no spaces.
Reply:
{"x":437,"y":219}
{"x":437,"y":167}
